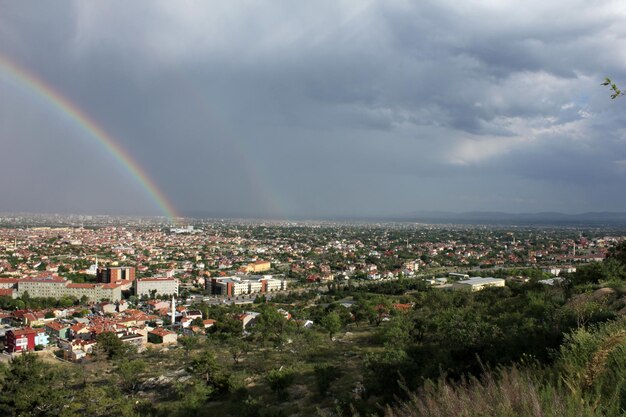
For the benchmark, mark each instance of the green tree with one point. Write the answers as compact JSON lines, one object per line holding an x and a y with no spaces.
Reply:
{"x":229,"y":327}
{"x":238,"y":348}
{"x":129,"y":373}
{"x":189,"y":343}
{"x":279,"y":380}
{"x":99,"y":401}
{"x":270,"y":325}
{"x":331,"y":322}
{"x":205,"y":367}
{"x":30,"y":387}
{"x":111,"y":346}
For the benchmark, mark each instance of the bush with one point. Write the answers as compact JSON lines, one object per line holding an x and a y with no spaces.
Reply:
{"x":279,"y":380}
{"x":324,"y":376}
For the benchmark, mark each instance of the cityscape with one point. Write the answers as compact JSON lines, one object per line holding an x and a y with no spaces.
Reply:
{"x":80,"y":289}
{"x":350,"y":208}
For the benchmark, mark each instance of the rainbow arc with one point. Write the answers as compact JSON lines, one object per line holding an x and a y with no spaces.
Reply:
{"x":60,"y":103}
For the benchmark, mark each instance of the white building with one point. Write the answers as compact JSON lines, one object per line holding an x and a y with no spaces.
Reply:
{"x":255,"y":286}
{"x":233,"y":286}
{"x":156,"y":285}
{"x":477,"y":284}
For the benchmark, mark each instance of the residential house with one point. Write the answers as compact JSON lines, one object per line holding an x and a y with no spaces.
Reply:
{"x":162,"y":336}
{"x":19,"y":340}
{"x":57,"y":330}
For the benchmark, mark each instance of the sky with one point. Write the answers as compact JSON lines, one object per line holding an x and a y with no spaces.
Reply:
{"x":324,"y":109}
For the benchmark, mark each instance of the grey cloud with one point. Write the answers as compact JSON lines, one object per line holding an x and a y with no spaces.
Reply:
{"x":337,"y":108}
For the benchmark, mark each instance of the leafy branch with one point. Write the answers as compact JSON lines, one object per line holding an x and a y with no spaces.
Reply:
{"x":616,"y":92}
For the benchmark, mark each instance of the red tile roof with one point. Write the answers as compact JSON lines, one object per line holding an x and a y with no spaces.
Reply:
{"x":160,"y":331}
{"x":23,"y":332}
{"x":49,"y":278}
{"x":55,"y":325}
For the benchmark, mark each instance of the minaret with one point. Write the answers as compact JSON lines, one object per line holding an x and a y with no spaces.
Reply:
{"x":173,"y":312}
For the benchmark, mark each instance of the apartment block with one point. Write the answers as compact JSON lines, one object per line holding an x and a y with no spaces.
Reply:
{"x":156,"y":285}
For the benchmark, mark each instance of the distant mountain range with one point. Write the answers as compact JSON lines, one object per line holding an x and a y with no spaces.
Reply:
{"x":543,"y":218}
{"x":592,"y":219}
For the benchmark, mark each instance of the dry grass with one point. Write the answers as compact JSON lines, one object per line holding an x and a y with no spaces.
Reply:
{"x":597,"y":365}
{"x":510,"y":393}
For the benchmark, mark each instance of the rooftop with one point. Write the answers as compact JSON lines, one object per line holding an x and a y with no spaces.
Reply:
{"x":480,"y":280}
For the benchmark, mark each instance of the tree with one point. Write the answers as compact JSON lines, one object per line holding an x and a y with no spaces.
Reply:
{"x":271,"y":325}
{"x":228,"y":327}
{"x":205,"y":367}
{"x":238,"y":347}
{"x":331,"y":322}
{"x":30,"y":387}
{"x":128,"y":372}
{"x":279,"y":380}
{"x":188,"y":343}
{"x":109,"y":345}
{"x":99,"y":401}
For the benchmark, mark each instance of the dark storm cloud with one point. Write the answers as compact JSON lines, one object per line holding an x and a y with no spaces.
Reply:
{"x":322,"y":109}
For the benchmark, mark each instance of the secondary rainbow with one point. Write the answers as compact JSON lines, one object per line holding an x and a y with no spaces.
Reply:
{"x":61,"y":103}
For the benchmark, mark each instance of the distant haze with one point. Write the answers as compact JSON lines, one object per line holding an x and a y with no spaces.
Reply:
{"x":317,"y":109}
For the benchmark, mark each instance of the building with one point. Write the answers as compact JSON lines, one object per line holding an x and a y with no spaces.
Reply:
{"x":56,"y":287}
{"x":41,"y":338}
{"x":76,"y":349}
{"x":258,"y":266}
{"x":155,"y":286}
{"x":8,"y":292}
{"x":116,"y":274}
{"x":556,"y":271}
{"x":249,"y":318}
{"x":234,"y":286}
{"x":57,"y":330}
{"x":96,"y":292}
{"x":123,"y":250}
{"x":8,"y":283}
{"x":477,"y":284}
{"x":162,"y":336}
{"x":20,"y":340}
{"x":25,"y":339}
{"x":229,"y":286}
{"x":43,"y":286}
{"x":135,"y":339}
